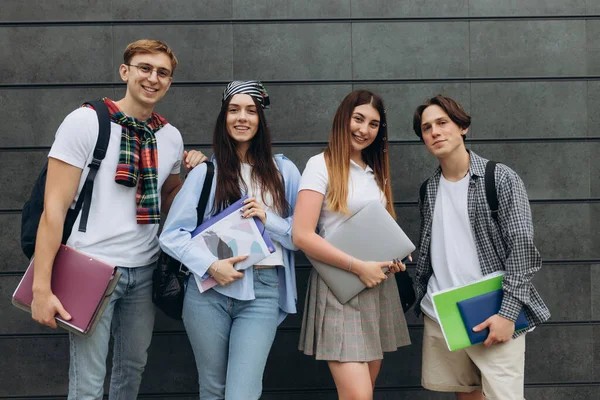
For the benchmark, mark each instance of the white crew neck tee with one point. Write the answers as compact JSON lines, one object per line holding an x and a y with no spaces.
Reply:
{"x":453,"y":253}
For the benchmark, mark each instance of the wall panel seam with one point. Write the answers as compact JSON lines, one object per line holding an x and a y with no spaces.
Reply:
{"x":395,"y":142}
{"x":302,"y":82}
{"x":283,"y":21}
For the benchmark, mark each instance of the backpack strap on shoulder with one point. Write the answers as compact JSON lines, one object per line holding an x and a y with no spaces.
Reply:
{"x":202,"y":202}
{"x":210,"y":172}
{"x":85,"y":197}
{"x":423,"y":191}
{"x":490,"y":188}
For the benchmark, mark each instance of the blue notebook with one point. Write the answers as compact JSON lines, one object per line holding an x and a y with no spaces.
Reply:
{"x":479,"y":308}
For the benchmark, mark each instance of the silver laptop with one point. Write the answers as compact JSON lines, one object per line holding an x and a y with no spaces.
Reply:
{"x":369,"y":235}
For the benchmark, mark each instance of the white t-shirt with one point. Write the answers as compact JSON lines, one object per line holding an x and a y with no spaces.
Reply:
{"x":275,"y":258}
{"x":453,"y":253}
{"x":113,"y":234}
{"x":362,"y":189}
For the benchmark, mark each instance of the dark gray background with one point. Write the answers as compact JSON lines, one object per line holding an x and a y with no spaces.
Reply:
{"x":527,"y":71}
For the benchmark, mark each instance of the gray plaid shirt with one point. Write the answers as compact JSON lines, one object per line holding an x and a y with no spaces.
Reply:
{"x":503,"y":246}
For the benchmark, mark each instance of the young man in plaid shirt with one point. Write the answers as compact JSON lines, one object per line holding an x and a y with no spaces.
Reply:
{"x":136,"y":181}
{"x":461,"y":242}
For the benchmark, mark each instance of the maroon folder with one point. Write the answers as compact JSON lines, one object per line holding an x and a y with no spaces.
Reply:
{"x":81,"y":283}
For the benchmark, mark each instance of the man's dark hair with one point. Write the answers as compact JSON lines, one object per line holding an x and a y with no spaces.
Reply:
{"x":454,"y":110}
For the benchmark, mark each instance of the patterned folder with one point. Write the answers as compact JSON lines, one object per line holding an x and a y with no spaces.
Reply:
{"x":228,"y":235}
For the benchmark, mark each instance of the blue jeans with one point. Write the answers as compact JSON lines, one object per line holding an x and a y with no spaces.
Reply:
{"x":130,"y":316}
{"x":231,"y":338}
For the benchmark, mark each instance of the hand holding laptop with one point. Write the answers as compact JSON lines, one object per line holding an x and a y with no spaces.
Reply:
{"x":370,"y":234}
{"x":371,"y":273}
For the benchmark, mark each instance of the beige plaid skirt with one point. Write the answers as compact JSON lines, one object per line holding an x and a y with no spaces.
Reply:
{"x":360,"y":330}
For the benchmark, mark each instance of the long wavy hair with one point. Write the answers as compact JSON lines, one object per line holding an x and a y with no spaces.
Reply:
{"x":337,"y":153}
{"x":260,"y":155}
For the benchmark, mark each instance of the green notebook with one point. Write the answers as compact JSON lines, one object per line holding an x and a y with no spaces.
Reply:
{"x":444,"y":303}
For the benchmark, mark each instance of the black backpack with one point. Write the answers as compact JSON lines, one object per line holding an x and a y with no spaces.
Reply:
{"x":490,"y":189}
{"x":33,"y":208}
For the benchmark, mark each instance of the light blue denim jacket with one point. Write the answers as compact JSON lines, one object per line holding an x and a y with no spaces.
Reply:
{"x":175,"y":239}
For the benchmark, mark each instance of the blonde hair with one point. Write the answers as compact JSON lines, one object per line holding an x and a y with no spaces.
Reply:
{"x":337,"y":153}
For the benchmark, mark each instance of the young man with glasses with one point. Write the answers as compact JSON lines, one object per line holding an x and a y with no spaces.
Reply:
{"x":136,"y":181}
{"x":460,"y":242}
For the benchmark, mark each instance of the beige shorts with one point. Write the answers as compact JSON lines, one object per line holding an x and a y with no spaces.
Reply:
{"x":497,"y":370}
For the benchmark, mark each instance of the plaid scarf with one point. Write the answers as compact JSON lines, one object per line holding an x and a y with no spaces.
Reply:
{"x":138,"y":161}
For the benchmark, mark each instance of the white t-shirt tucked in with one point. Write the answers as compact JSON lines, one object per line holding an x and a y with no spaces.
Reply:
{"x":113,"y":234}
{"x":453,"y":253}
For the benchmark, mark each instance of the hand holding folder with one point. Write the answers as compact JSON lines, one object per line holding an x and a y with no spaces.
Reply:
{"x":81,"y":283}
{"x":461,"y":308}
{"x":478,"y":309}
{"x":228,"y":235}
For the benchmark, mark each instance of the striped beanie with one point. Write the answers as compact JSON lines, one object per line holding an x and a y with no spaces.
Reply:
{"x":252,"y":88}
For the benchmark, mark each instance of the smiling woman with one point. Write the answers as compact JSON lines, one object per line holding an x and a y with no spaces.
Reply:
{"x":242,"y":122}
{"x":364,"y":127}
{"x":353,"y":171}
{"x":232,"y":326}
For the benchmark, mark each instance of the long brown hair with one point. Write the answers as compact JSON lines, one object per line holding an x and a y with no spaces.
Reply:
{"x":337,"y":153}
{"x":260,"y":154}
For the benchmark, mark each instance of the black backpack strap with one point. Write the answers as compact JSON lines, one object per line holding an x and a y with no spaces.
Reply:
{"x":490,"y":188}
{"x":85,"y":197}
{"x":423,"y":191}
{"x":210,"y":172}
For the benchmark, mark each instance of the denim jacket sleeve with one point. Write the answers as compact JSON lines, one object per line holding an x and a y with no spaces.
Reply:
{"x":176,"y":238}
{"x":280,"y":229}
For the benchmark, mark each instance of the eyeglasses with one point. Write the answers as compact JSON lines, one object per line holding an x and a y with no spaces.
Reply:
{"x":146,"y":70}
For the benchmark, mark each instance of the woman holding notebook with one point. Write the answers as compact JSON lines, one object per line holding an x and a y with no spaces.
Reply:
{"x":232,"y":326}
{"x":351,"y":172}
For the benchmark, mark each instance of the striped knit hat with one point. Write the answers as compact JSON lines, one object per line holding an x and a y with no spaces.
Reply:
{"x":252,"y":88}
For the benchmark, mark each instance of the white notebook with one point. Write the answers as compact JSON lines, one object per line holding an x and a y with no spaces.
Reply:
{"x":369,"y":235}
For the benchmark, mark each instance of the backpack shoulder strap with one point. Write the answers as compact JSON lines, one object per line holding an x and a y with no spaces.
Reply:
{"x":103,"y":130}
{"x":423,"y":190}
{"x":210,"y":172}
{"x":206,"y":186}
{"x":85,"y":198}
{"x":490,"y":188}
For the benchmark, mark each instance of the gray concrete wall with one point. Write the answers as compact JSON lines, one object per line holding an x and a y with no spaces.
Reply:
{"x":528,"y":72}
